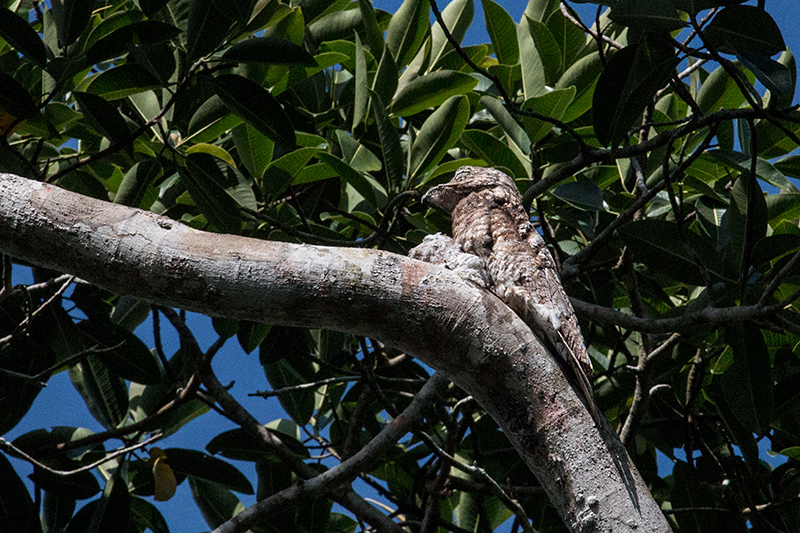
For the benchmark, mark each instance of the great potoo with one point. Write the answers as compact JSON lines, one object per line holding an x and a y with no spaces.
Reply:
{"x":490,"y":222}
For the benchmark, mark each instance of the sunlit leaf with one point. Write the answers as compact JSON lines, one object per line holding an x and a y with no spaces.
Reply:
{"x":438,"y":134}
{"x":407,"y":30}
{"x":430,"y":90}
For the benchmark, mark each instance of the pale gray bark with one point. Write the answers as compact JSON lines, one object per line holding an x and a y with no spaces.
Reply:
{"x":425,"y":310}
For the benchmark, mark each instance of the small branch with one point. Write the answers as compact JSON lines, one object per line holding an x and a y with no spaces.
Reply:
{"x":9,"y":447}
{"x":38,"y":310}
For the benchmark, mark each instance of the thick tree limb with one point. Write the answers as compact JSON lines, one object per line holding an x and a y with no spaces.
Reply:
{"x":422,"y":309}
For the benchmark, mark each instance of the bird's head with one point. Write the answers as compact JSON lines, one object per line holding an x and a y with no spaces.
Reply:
{"x":466,"y":181}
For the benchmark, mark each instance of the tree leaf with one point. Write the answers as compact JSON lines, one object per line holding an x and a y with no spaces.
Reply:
{"x":145,"y":515}
{"x":373,"y":31}
{"x":457,"y":16}
{"x":650,"y":15}
{"x":656,"y":243}
{"x":71,"y":17}
{"x":130,"y":358}
{"x":256,"y":106}
{"x":112,"y":511}
{"x":298,"y":404}
{"x":393,"y":160}
{"x":270,"y":50}
{"x":775,"y":76}
{"x":136,"y":180}
{"x":251,"y":334}
{"x":118,"y":41}
{"x":14,"y":98}
{"x":212,"y":119}
{"x":430,"y":90}
{"x":239,"y":445}
{"x":627,"y":84}
{"x":22,"y":36}
{"x":104,"y":116}
{"x":548,"y":50}
{"x":199,"y":465}
{"x":105,"y":394}
{"x":17,"y":511}
{"x":207,"y":26}
{"x":216,"y":503}
{"x":719,"y":91}
{"x":254,"y":148}
{"x":552,"y":104}
{"x":583,"y":75}
{"x":361,"y":98}
{"x":121,"y":81}
{"x":494,"y":152}
{"x":385,"y":83}
{"x":532,"y":69}
{"x":745,"y":29}
{"x":507,"y":123}
{"x":740,"y":216}
{"x":207,"y":184}
{"x":583,"y":194}
{"x":407,"y":30}
{"x":747,"y":383}
{"x":438,"y":134}
{"x":502,"y":32}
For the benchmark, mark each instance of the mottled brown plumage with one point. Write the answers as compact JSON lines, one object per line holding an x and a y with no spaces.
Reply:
{"x":490,"y":222}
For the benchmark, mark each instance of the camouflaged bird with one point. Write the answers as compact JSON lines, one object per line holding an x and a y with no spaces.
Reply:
{"x":490,"y":222}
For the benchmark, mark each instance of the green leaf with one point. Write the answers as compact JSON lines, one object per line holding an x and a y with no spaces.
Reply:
{"x":239,"y":445}
{"x":494,"y":152}
{"x":212,"y":119}
{"x":57,"y":510}
{"x":720,"y":91}
{"x":548,"y":49}
{"x":251,"y":334}
{"x":199,"y":465}
{"x":745,"y":29}
{"x":570,"y":38}
{"x":457,"y":16}
{"x":507,"y":123}
{"x":118,"y":41}
{"x":298,"y":404}
{"x":361,"y":98}
{"x":256,"y":106}
{"x":407,"y":30}
{"x":430,"y":90}
{"x":206,"y":28}
{"x":145,"y":515}
{"x":657,"y":244}
{"x":783,"y":207}
{"x":217,"y":504}
{"x":741,"y":215}
{"x":17,"y":512}
{"x":71,"y":17}
{"x":438,"y":134}
{"x":22,"y":36}
{"x":741,"y":162}
{"x":367,"y":187}
{"x":130,"y":358}
{"x":775,"y":76}
{"x":112,"y":511}
{"x":533,"y":71}
{"x":552,"y":104}
{"x":747,"y":383}
{"x":393,"y":160}
{"x":583,"y":194}
{"x":372,"y":29}
{"x":212,"y":149}
{"x":122,"y":81}
{"x":650,"y":15}
{"x":385,"y":83}
{"x":583,"y":75}
{"x":104,"y":116}
{"x":270,"y":50}
{"x":135,"y":183}
{"x":14,"y":98}
{"x":254,"y":148}
{"x":502,"y":32}
{"x":273,"y":476}
{"x":282,"y":172}
{"x":207,"y":184}
{"x":628,"y":84}
{"x":105,"y":394}
{"x":356,"y":154}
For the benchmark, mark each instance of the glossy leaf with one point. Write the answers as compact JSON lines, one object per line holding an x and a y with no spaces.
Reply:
{"x":393,"y":160}
{"x":21,"y":36}
{"x":372,"y":29}
{"x":361,"y":98}
{"x":509,"y":125}
{"x":407,"y":30}
{"x":457,"y":16}
{"x":627,"y":84}
{"x":216,"y":503}
{"x":122,"y":81}
{"x":385,"y":83}
{"x":254,"y":148}
{"x":657,"y":244}
{"x":494,"y":152}
{"x":438,"y":134}
{"x":198,"y":465}
{"x":502,"y":32}
{"x":105,"y":394}
{"x":251,"y":335}
{"x":719,"y":91}
{"x":256,"y":106}
{"x":429,"y":91}
{"x":552,"y":104}
{"x":104,"y":116}
{"x":533,"y":71}
{"x":212,"y":119}
{"x":207,"y":183}
{"x":650,"y":15}
{"x":583,"y":75}
{"x":747,"y":383}
{"x":775,"y":76}
{"x":582,"y":194}
{"x":17,"y":511}
{"x":71,"y":17}
{"x":745,"y":29}
{"x":207,"y":26}
{"x":137,"y":179}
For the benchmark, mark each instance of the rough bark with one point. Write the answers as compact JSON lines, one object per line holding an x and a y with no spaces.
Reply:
{"x":466,"y":333}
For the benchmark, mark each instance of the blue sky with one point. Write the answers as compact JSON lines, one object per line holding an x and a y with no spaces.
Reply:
{"x":56,"y":404}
